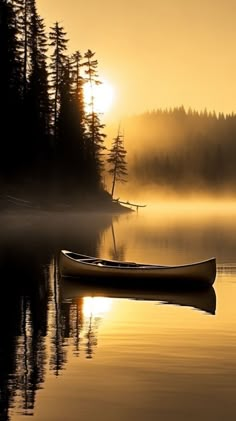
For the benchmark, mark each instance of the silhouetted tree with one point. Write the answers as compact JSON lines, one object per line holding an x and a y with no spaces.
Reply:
{"x":65,"y":133}
{"x":78,"y":113}
{"x":116,"y":159}
{"x":10,"y":89}
{"x":38,"y":106}
{"x":78,"y":91}
{"x":94,"y":134}
{"x":23,"y":11}
{"x":52,"y":142}
{"x":58,"y":60}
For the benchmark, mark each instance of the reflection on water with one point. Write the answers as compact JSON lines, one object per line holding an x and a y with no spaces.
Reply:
{"x":68,"y":348}
{"x":167,"y":238}
{"x":204,"y":300}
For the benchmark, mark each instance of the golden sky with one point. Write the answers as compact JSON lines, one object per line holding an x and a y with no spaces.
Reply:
{"x":156,"y":53}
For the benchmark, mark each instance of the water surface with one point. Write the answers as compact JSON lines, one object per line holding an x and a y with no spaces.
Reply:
{"x":70,"y":352}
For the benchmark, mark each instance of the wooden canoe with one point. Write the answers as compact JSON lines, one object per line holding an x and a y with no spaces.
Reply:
{"x":201,"y":299}
{"x":194,"y":275}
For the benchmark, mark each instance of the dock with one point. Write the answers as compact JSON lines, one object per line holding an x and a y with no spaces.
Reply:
{"x":135,"y":205}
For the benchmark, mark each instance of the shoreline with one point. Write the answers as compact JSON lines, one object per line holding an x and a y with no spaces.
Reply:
{"x":97,"y":203}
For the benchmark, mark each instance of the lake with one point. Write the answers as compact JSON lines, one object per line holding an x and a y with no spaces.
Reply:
{"x":68,"y":352}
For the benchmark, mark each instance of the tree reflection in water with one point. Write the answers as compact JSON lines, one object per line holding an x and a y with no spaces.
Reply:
{"x":37,"y":309}
{"x":56,"y":327}
{"x":35,"y":312}
{"x":36,"y":326}
{"x":23,"y":330}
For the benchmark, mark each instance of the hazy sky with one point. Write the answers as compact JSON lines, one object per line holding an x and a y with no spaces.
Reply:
{"x":156,"y":53}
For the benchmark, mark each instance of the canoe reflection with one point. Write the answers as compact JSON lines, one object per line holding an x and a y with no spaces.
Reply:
{"x":203,"y":300}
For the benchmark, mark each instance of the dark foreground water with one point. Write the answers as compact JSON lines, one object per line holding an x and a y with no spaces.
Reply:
{"x":68,"y":352}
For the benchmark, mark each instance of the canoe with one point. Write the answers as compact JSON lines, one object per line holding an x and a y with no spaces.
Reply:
{"x":201,"y":300}
{"x":193,"y":275}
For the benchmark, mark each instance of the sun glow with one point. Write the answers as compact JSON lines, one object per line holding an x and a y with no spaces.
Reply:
{"x":96,"y":306}
{"x":102,"y":96}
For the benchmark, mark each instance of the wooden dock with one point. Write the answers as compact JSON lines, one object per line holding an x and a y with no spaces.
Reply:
{"x":135,"y":205}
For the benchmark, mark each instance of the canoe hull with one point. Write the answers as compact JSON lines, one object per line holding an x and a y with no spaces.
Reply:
{"x":193,"y":275}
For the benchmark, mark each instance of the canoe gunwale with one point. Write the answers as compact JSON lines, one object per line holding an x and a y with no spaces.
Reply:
{"x":96,"y":260}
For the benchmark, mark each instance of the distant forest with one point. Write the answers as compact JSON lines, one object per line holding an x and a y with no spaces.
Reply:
{"x":51,"y":145}
{"x":183,"y":150}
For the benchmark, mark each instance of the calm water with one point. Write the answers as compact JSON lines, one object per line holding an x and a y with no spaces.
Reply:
{"x":71,"y":353}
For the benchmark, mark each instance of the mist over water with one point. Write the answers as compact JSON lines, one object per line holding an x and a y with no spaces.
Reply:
{"x":174,"y":232}
{"x":180,"y":152}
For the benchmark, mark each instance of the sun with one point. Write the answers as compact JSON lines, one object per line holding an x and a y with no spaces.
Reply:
{"x":103,"y":95}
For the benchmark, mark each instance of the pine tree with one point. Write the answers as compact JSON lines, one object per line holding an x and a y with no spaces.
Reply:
{"x":77,"y":129}
{"x":38,"y":106}
{"x":23,"y":9}
{"x":116,"y":159}
{"x":9,"y":62}
{"x":95,"y":136}
{"x":65,"y":112}
{"x":35,"y":112}
{"x":58,"y":60}
{"x":70,"y":135}
{"x":78,"y":97}
{"x":10,"y":89}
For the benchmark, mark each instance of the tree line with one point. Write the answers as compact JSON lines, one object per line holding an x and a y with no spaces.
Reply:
{"x":184,"y":150}
{"x":51,"y":142}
